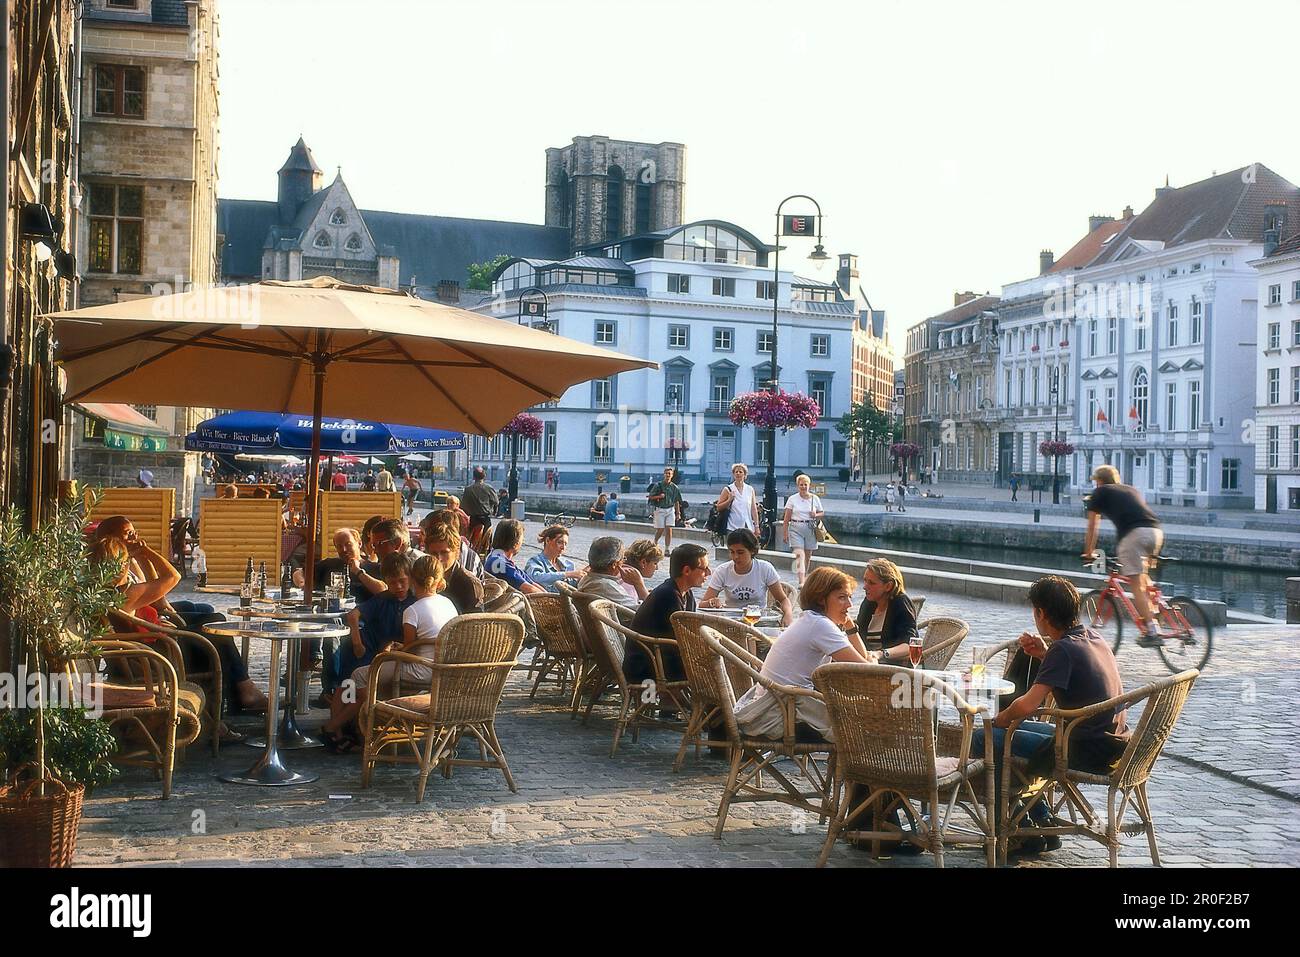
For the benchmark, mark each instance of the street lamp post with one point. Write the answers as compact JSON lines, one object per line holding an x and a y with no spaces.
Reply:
{"x":1056,"y":435}
{"x":799,"y":227}
{"x":534,"y":309}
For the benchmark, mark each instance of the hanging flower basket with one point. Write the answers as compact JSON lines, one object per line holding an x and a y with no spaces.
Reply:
{"x":1033,"y":348}
{"x":904,"y":450}
{"x":775,"y":410}
{"x":1053,"y":448}
{"x":525,"y":426}
{"x":677,"y":445}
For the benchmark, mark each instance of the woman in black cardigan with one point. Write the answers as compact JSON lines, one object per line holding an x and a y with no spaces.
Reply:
{"x":884,"y":584}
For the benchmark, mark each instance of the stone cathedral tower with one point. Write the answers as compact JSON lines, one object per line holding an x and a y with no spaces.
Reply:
{"x":602,"y":189}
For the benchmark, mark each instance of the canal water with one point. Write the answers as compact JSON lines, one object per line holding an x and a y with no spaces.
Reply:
{"x":1255,"y":592}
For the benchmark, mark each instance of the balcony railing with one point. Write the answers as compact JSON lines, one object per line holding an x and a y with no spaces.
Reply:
{"x":719,"y":408}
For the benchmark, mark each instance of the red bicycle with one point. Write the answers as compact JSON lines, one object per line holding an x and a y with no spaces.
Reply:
{"x":1184,"y":627}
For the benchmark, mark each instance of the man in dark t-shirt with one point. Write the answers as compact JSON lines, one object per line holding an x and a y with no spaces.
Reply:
{"x":688,"y":567}
{"x":1138,"y":539}
{"x":1079,"y":669}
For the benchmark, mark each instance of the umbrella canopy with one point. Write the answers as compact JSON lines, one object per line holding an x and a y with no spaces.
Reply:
{"x":416,"y":457}
{"x":273,"y":432}
{"x":335,"y":348}
{"x":391,"y":357}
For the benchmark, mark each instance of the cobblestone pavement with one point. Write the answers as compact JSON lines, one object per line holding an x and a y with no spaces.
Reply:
{"x":1221,"y":796}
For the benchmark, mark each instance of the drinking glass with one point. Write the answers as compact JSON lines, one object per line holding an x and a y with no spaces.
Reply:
{"x":914,"y":649}
{"x":752,"y":614}
{"x":977,"y":665}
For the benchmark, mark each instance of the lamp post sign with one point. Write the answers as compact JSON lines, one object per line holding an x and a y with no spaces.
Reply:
{"x":533,"y":309}
{"x":798,"y":225}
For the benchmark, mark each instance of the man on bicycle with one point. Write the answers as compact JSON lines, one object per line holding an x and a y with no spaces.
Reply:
{"x":1138,"y":540}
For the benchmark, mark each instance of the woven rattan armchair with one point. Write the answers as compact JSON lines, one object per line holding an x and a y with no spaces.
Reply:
{"x":639,"y":699}
{"x":705,"y":709}
{"x":886,"y":757}
{"x":207,"y":676}
{"x":1126,"y":784}
{"x":151,"y":711}
{"x":940,"y":639}
{"x":752,"y":756}
{"x":473,"y":655}
{"x":561,"y":649}
{"x":595,"y":678}
{"x":493,"y":588}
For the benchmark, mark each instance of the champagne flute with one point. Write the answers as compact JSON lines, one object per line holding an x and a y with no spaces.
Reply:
{"x":915,"y":647}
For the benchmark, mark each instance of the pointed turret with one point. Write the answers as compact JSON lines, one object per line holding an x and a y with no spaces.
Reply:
{"x":299,"y":178}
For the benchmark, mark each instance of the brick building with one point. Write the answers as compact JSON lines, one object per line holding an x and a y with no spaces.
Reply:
{"x":148,"y":171}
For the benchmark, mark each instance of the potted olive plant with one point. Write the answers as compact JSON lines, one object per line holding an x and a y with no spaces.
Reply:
{"x":53,"y":602}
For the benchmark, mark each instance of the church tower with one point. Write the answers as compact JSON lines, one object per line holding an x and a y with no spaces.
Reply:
{"x":300,"y":177}
{"x":602,"y":190}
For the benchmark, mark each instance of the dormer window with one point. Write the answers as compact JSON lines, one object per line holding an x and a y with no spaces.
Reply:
{"x":322,"y":240}
{"x":338,"y":218}
{"x":353,"y":245}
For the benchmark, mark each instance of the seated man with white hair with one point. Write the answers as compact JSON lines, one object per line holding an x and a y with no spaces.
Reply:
{"x":347,"y":543}
{"x":608,"y":577}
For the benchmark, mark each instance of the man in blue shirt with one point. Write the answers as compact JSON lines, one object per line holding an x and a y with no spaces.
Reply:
{"x":611,"y":508}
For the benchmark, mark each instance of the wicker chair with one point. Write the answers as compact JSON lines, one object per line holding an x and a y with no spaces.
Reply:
{"x":888,"y":749}
{"x":151,"y":711}
{"x":752,"y":756}
{"x":640,"y":698}
{"x":705,"y":709}
{"x":594,"y":679}
{"x":560,"y":653}
{"x":940,"y":639}
{"x":473,"y":655}
{"x":208,"y":678}
{"x":1127,"y":782}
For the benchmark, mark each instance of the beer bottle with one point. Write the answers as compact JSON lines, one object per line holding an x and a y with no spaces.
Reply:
{"x":261,"y":581}
{"x":248,"y":571}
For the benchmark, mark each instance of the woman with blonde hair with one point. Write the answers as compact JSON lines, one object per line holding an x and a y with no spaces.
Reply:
{"x":644,"y":555}
{"x":740,"y":501}
{"x":887,"y":617}
{"x":803,"y":513}
{"x":818,"y":635}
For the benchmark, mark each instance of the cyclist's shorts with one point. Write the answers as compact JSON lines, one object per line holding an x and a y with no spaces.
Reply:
{"x":1139,"y":545}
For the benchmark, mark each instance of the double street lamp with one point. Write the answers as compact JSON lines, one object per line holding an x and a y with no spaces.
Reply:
{"x":787,"y":226}
{"x":1056,"y":436}
{"x":533,"y":310}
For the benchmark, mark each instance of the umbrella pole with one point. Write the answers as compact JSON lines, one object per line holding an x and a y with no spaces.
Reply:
{"x":313,"y":482}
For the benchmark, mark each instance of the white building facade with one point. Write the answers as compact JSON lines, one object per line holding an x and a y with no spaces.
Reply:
{"x":698,"y":300}
{"x":1277,"y":385}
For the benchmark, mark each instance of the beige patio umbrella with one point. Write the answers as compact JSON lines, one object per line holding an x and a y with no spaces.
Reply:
{"x":324,"y":347}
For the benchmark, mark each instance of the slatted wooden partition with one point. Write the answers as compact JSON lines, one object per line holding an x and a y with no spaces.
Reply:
{"x":150,"y":510}
{"x":351,"y":509}
{"x":246,"y":490}
{"x":298,"y":498}
{"x":232,"y":530}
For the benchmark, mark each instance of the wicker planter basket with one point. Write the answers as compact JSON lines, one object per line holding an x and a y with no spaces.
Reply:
{"x":39,"y":831}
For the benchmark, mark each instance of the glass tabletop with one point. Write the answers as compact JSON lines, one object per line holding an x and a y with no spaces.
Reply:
{"x":282,"y":630}
{"x":291,"y":612}
{"x":986,"y":684}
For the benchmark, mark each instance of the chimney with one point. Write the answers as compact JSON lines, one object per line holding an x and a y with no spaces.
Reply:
{"x":1128,"y":212}
{"x":1274,"y":226}
{"x":1045,"y":261}
{"x":1095,"y":221}
{"x":448,"y":290}
{"x":959,"y":297}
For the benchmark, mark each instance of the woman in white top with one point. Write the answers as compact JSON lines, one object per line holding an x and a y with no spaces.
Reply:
{"x":746,"y":579}
{"x":818,"y":635}
{"x":802,"y":513}
{"x":741,"y":499}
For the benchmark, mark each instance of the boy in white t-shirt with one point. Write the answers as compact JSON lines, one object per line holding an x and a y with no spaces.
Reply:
{"x":746,"y":579}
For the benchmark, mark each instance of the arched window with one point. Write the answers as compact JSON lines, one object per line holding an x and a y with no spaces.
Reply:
{"x":353,"y":245}
{"x":338,"y":218}
{"x":322,"y":240}
{"x":614,"y":203}
{"x":1141,"y":397}
{"x":643,"y":199}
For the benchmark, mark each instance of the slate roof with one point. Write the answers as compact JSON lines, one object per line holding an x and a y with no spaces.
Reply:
{"x":166,"y":12}
{"x":170,"y":11}
{"x":429,"y":247}
{"x":1228,"y":206}
{"x":300,"y":158}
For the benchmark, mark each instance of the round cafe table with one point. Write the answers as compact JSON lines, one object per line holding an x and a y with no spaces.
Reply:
{"x":769,"y":619}
{"x":291,"y":738}
{"x":269,"y":770}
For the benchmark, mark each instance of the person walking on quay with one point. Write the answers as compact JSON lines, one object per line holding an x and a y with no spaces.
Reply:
{"x":741,"y":501}
{"x":480,"y":501}
{"x":384,"y":480}
{"x":411,"y":489}
{"x":902,"y":496}
{"x":803,"y":512}
{"x":890,"y":496}
{"x":1015,"y":487}
{"x":664,"y":497}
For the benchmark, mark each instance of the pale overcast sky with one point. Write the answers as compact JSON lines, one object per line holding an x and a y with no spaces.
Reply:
{"x":947,"y":142}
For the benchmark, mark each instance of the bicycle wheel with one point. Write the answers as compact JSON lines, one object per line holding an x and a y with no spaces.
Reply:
{"x":1188,"y":635}
{"x":1102,"y":614}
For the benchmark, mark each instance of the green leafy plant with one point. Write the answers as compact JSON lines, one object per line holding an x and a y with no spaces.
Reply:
{"x":480,"y":274}
{"x":54,"y":600}
{"x":77,"y":749}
